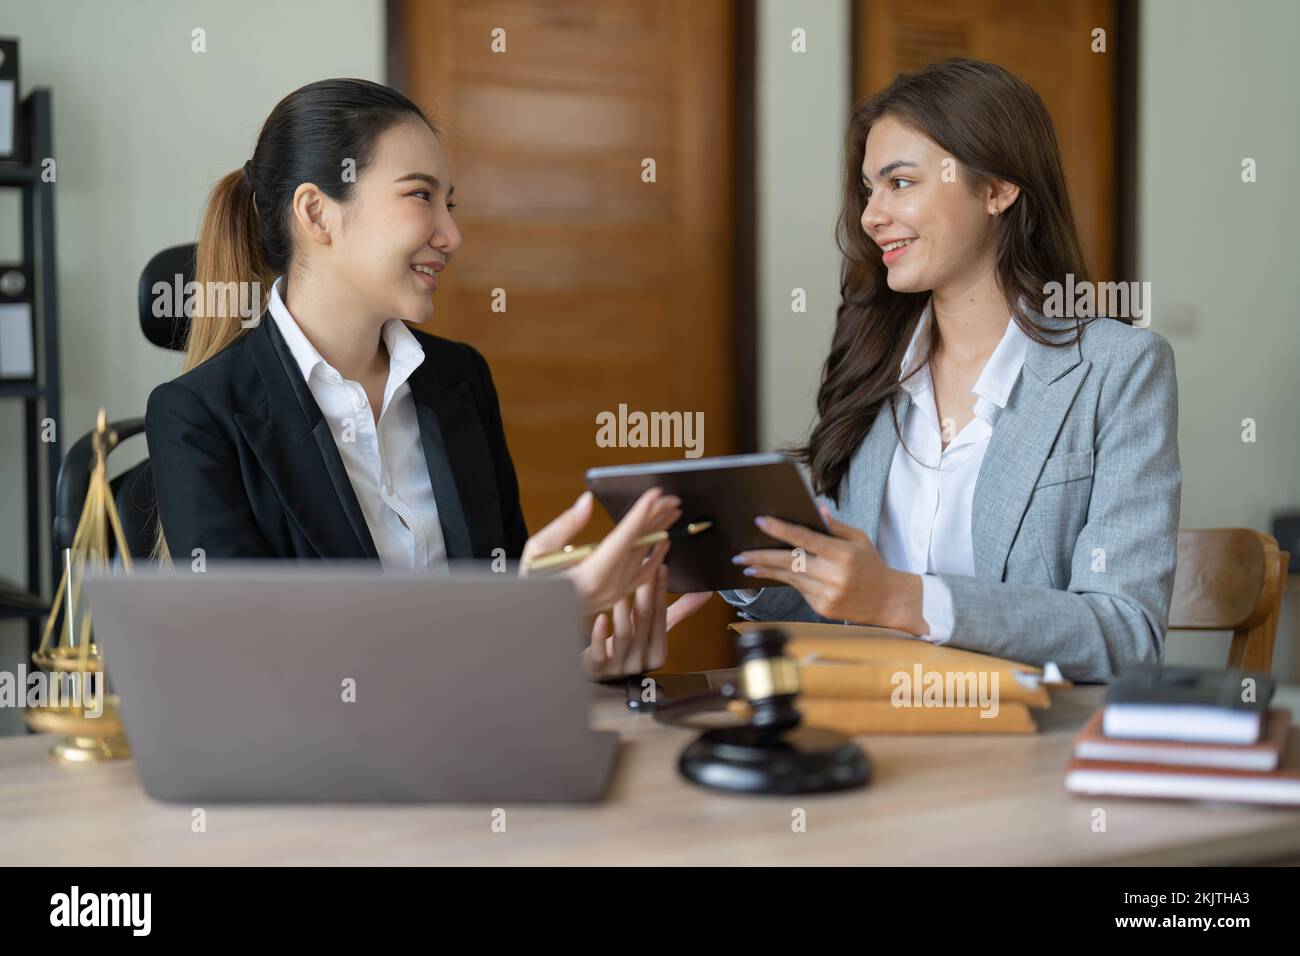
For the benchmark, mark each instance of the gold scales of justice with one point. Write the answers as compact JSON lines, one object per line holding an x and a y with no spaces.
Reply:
{"x":91,"y":729}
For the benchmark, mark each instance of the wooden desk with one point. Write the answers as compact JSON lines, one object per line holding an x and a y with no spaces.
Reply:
{"x":935,"y":800}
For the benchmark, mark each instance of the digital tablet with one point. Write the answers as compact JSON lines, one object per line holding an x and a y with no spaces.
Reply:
{"x":730,"y":491}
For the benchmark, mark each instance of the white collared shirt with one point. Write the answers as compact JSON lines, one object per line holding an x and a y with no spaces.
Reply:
{"x":925,"y":517}
{"x":385,"y":462}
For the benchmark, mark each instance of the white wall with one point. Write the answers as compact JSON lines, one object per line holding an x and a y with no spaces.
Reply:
{"x":1217,"y":84}
{"x":143,"y":128}
{"x":803,"y":108}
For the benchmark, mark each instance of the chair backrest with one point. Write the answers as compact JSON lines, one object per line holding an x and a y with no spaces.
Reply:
{"x":133,"y":489}
{"x":1230,"y":579}
{"x":174,"y":269}
{"x":132,"y":493}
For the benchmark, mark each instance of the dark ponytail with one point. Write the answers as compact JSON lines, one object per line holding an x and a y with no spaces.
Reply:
{"x":323,"y":133}
{"x":317,"y":134}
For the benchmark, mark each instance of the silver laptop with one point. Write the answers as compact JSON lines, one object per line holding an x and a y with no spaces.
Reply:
{"x":274,"y":681}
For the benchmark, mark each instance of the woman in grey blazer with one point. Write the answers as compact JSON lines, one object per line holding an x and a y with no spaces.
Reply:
{"x":998,"y":467}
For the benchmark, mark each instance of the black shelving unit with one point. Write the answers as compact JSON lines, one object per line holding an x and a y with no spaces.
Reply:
{"x":40,"y":398}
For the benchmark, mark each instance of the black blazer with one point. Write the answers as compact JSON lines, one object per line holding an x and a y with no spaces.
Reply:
{"x":244,"y":464}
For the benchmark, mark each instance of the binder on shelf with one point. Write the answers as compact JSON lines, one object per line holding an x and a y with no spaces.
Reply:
{"x":17,"y":324}
{"x":9,"y":99}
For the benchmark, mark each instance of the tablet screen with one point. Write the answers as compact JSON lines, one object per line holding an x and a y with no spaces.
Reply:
{"x":730,"y":492}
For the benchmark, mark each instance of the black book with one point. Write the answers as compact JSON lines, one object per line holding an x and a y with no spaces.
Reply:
{"x":1157,"y":702}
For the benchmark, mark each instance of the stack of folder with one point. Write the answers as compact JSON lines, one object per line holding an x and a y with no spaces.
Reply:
{"x":1189,"y":733}
{"x":872,"y":680}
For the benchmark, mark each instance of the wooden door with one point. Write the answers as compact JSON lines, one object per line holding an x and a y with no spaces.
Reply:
{"x":1049,"y":44}
{"x":591,"y":145}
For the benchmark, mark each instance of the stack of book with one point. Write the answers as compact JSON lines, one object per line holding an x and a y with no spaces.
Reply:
{"x":871,"y":680}
{"x":1189,"y":733}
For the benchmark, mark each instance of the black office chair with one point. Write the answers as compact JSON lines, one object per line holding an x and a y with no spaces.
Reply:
{"x":133,"y":489}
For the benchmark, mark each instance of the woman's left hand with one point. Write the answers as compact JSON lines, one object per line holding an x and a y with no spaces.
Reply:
{"x":841,"y":575}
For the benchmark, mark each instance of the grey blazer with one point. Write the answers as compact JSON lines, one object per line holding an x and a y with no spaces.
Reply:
{"x":1075,"y":515}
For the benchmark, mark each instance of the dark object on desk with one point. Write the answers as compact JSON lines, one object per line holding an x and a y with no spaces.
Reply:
{"x":731,"y":492}
{"x":772,"y":754}
{"x":1157,"y":702}
{"x":645,"y":693}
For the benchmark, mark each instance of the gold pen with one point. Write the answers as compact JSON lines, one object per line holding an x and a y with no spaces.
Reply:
{"x":571,"y":552}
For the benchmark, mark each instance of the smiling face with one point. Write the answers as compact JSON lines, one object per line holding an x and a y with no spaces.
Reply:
{"x":935,"y":227}
{"x":388,"y":244}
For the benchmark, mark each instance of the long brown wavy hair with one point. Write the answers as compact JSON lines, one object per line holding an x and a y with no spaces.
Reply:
{"x":996,"y":126}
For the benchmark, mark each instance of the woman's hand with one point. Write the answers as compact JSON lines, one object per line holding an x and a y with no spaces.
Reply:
{"x":841,"y":575}
{"x":616,"y":568}
{"x":637,"y":640}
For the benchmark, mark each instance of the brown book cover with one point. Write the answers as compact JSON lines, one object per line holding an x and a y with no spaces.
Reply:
{"x":860,"y":663}
{"x":1092,"y":744}
{"x":1113,"y":778}
{"x":855,"y":718}
{"x":884,"y":680}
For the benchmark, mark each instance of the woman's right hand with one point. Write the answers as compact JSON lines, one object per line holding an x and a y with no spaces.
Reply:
{"x":616,"y":568}
{"x":635,"y":641}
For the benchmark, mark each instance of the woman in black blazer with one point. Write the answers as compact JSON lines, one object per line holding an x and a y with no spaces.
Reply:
{"x":344,"y":214}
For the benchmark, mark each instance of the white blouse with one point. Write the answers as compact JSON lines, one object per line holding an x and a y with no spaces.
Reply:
{"x":385,"y":461}
{"x":925,"y":517}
